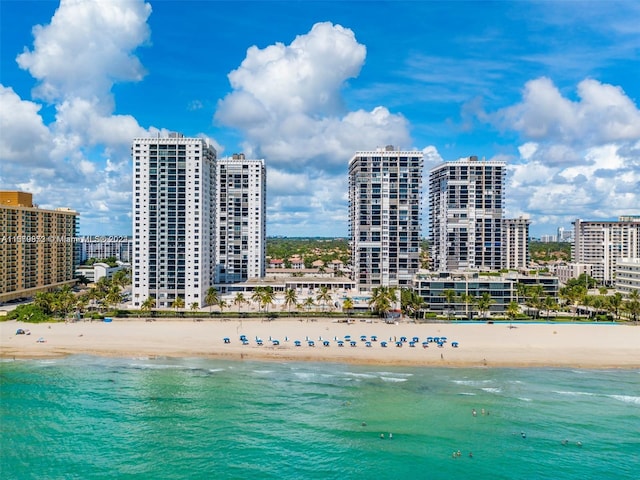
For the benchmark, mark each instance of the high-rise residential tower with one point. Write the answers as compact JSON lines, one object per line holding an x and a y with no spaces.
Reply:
{"x":173,"y":223}
{"x":385,"y":216}
{"x":241,"y":219}
{"x":37,"y":246}
{"x":466,"y":214}
{"x":516,"y":243}
{"x":602,"y":243}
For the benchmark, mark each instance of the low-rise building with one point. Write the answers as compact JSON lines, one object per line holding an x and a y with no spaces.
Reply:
{"x":628,"y":275}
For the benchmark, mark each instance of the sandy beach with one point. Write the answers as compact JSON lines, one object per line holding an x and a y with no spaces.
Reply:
{"x":490,"y":345}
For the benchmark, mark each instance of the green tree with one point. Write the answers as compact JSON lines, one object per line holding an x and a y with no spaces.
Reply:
{"x":211,"y":298}
{"x":178,"y":303}
{"x":632,"y":305}
{"x":309,"y":303}
{"x":382,"y":299}
{"x":614,"y":304}
{"x":468,"y":300}
{"x":324,"y":296}
{"x":410,"y":302}
{"x":513,"y":309}
{"x":449,"y":296}
{"x":148,"y":304}
{"x":484,"y":303}
{"x":347,"y":306}
{"x":239,"y":300}
{"x":290,"y":299}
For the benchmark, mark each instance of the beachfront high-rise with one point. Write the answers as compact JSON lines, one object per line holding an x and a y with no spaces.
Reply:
{"x":516,"y":243}
{"x":173,"y":226}
{"x":37,"y":246}
{"x":241,"y":219}
{"x":601,"y":244}
{"x":385,"y":216}
{"x":466,"y":215}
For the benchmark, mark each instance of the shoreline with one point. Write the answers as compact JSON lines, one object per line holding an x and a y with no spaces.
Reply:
{"x":586,"y":346}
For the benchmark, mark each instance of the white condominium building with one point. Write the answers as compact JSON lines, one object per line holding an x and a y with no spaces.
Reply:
{"x":602,"y":244}
{"x":385,"y":216}
{"x":173,"y":225}
{"x":466,"y":215}
{"x":516,"y":243}
{"x":241,"y":219}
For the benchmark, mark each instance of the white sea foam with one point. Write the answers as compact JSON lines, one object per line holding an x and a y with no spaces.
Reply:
{"x":491,"y":390}
{"x":626,"y":399}
{"x":468,"y":394}
{"x":472,"y":383}
{"x":360,"y":375}
{"x":396,"y":374}
{"x":524,"y":399}
{"x":574,"y":394}
{"x":393,"y":379}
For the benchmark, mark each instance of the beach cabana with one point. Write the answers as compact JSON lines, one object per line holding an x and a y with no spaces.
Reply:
{"x":245,"y":342}
{"x":367,"y":344}
{"x":416,"y":339}
{"x":226,"y":340}
{"x":403,"y":339}
{"x":311,"y":343}
{"x":363,"y":338}
{"x":454,"y":344}
{"x":259,"y":342}
{"x":374,"y":338}
{"x":352,"y":343}
{"x":399,"y":344}
{"x":325,"y":343}
{"x":429,"y":339}
{"x":425,"y":344}
{"x":297,"y":343}
{"x":243,"y":338}
{"x":412,"y":344}
{"x":383,"y":344}
{"x":275,"y":342}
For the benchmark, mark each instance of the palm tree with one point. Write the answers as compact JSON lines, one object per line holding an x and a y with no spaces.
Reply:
{"x":632,"y":305}
{"x":513,"y":309}
{"x":266,"y":297}
{"x":211,"y":298}
{"x":449,"y":296}
{"x":148,"y":304}
{"x":468,"y":300}
{"x":614,"y":302}
{"x":256,"y":296}
{"x":484,"y":302}
{"x":222,"y":304}
{"x":382,"y":299}
{"x":44,"y":301}
{"x":178,"y":303}
{"x":410,"y":302}
{"x":239,"y":300}
{"x":534,"y":298}
{"x":324,"y":296}
{"x":347,"y":306}
{"x":290,"y":298}
{"x":113,"y":297}
{"x":549,"y":304}
{"x":308,"y":303}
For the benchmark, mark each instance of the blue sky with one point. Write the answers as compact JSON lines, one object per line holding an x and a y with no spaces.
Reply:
{"x":552,"y":88}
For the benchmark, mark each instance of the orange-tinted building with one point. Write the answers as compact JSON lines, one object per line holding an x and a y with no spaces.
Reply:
{"x":37,"y":246}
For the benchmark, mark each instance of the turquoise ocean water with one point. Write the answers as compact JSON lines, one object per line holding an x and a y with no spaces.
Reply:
{"x":84,"y":417}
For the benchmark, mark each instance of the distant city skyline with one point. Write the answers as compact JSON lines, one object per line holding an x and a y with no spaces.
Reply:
{"x":546,"y":87}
